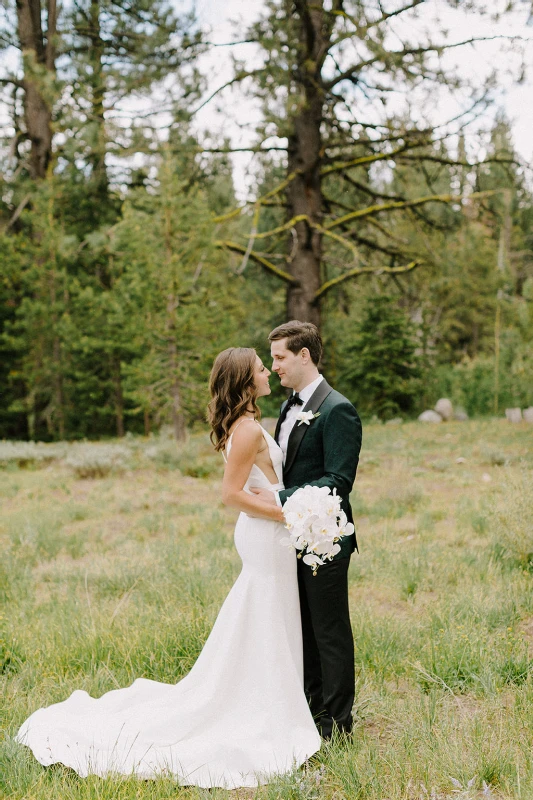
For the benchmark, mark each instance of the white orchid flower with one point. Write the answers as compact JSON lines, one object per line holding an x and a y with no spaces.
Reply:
{"x":287,"y":542}
{"x":313,"y":561}
{"x":333,"y":552}
{"x":305,"y":417}
{"x":316,"y":522}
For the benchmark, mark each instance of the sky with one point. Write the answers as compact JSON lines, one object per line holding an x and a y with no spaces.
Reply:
{"x":229,"y":18}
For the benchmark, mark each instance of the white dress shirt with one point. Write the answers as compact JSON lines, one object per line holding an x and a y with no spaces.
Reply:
{"x":290,"y":420}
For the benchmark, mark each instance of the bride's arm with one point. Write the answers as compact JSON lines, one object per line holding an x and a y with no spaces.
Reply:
{"x":245,"y":445}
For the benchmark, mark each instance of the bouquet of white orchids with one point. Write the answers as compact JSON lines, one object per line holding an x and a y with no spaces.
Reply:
{"x":316,"y":522}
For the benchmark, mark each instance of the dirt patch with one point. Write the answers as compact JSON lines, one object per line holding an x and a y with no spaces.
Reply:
{"x":382,"y":602}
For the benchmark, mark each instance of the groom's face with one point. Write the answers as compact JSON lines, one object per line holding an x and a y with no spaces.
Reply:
{"x":288,"y":365}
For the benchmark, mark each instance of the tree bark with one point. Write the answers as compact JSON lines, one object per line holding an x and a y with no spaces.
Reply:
{"x":178,"y":417}
{"x":38,"y":58}
{"x":119,"y":396}
{"x":304,"y":193}
{"x":58,"y":386}
{"x":98,"y":87}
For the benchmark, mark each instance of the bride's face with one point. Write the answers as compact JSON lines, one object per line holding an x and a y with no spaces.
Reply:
{"x":261,"y":375}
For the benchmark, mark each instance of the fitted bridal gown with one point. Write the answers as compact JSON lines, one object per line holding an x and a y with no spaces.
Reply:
{"x":237,"y":719}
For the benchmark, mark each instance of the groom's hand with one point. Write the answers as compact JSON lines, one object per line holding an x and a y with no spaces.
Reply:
{"x":264,"y":494}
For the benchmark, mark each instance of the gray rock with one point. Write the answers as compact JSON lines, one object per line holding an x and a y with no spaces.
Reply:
{"x":444,"y":407}
{"x":460,"y":414}
{"x":514,"y":414}
{"x":527,"y":414}
{"x":394,"y":421}
{"x":429,"y":416}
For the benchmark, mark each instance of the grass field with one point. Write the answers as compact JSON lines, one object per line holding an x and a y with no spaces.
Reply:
{"x":107,"y":574}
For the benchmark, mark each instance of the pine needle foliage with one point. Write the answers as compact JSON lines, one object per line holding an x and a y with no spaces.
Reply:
{"x":383,"y":367}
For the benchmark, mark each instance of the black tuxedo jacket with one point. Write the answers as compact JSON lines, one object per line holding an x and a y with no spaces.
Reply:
{"x":325,"y":452}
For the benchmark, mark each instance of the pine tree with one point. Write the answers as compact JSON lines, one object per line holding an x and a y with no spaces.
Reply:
{"x":326,"y":75}
{"x":173,"y":289}
{"x":382,"y":368}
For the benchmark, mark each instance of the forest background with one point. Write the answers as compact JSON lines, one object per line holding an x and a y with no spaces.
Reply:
{"x":128,"y":259}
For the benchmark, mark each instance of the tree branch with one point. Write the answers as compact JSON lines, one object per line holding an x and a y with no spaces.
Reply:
{"x":272,"y":193}
{"x":340,"y":239}
{"x":285,"y":227}
{"x":354,"y":273}
{"x":374,"y":223}
{"x":18,"y":211}
{"x":452,"y":162}
{"x":51,"y":33}
{"x":239,"y":77}
{"x":395,"y":54}
{"x":356,"y":162}
{"x":239,"y":149}
{"x":363,"y":187}
{"x":389,"y":14}
{"x":12,"y":82}
{"x":339,"y":12}
{"x":390,"y":251}
{"x":230,"y":44}
{"x":253,"y":233}
{"x":398,"y":204}
{"x":268,"y":265}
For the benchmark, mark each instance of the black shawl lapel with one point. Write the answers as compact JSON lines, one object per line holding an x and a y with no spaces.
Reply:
{"x":278,"y":423}
{"x":298,"y":432}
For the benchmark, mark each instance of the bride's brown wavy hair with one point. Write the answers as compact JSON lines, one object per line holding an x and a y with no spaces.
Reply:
{"x":233,"y":391}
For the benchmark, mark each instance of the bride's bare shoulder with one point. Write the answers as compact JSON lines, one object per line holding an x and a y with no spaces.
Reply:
{"x":243,"y":432}
{"x":244,"y":423}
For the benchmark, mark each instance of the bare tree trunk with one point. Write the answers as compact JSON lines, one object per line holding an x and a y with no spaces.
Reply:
{"x":38,"y":58}
{"x":119,"y":396}
{"x":304,"y":193}
{"x":147,"y":425}
{"x":58,"y":403}
{"x":178,"y":418}
{"x":98,"y":87}
{"x":59,"y":393}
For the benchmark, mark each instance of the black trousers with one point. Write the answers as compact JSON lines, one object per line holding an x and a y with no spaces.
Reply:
{"x":329,"y":674}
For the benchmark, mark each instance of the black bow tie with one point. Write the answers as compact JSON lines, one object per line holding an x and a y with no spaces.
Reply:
{"x":294,"y":400}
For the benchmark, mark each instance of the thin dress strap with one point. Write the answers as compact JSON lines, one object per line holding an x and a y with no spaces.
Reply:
{"x":244,"y":419}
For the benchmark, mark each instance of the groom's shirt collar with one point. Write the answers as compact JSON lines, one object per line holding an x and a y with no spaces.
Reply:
{"x":306,"y":394}
{"x":290,"y":420}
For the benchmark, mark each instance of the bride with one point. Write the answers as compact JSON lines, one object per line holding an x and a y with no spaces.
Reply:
{"x":240,"y":716}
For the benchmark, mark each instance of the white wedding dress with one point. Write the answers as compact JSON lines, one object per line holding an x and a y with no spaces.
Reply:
{"x":237,"y":719}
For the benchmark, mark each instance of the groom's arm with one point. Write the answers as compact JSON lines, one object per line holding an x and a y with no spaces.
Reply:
{"x":342,"y":438}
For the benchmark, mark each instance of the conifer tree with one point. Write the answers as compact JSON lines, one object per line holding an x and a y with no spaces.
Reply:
{"x":173,"y":290}
{"x":328,"y":70}
{"x":381,"y":364}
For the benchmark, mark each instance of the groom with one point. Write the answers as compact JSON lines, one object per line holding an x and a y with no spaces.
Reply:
{"x":324,"y":452}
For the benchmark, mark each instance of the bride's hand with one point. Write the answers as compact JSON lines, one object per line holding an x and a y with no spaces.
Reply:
{"x":265,"y":494}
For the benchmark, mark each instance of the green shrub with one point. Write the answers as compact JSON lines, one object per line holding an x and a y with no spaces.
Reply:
{"x":97,"y":460}
{"x":30,"y":454}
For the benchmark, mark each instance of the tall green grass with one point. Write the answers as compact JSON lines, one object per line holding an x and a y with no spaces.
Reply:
{"x":107,"y":578}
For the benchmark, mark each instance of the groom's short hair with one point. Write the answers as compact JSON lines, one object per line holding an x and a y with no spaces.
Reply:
{"x":298,"y":335}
